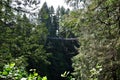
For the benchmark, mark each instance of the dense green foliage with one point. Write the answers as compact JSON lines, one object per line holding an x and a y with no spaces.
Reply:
{"x":12,"y":72}
{"x":21,"y":38}
{"x":83,"y":44}
{"x":27,"y":43}
{"x":98,"y":28}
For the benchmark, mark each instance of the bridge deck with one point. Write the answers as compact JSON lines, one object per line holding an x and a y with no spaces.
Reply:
{"x":59,"y":38}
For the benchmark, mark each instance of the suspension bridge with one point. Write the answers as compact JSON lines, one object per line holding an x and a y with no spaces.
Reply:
{"x":60,"y":38}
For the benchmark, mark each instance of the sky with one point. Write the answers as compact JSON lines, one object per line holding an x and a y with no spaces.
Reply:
{"x":55,"y":3}
{"x":35,"y":8}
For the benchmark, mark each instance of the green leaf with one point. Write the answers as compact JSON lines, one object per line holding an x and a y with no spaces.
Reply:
{"x":44,"y":78}
{"x":12,"y":65}
{"x":35,"y":74}
{"x":8,"y":69}
{"x":5,"y":73}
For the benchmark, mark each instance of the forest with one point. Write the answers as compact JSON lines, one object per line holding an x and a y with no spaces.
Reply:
{"x":43,"y":43}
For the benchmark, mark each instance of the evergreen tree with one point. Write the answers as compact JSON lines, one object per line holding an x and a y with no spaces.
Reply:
{"x":44,"y":17}
{"x":19,"y":38}
{"x":54,"y":22}
{"x":6,"y":26}
{"x":62,"y":11}
{"x":98,"y":29}
{"x":58,"y":12}
{"x":67,"y":11}
{"x":55,"y":25}
{"x":52,"y":11}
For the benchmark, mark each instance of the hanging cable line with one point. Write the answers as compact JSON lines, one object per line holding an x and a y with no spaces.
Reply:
{"x":59,"y":38}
